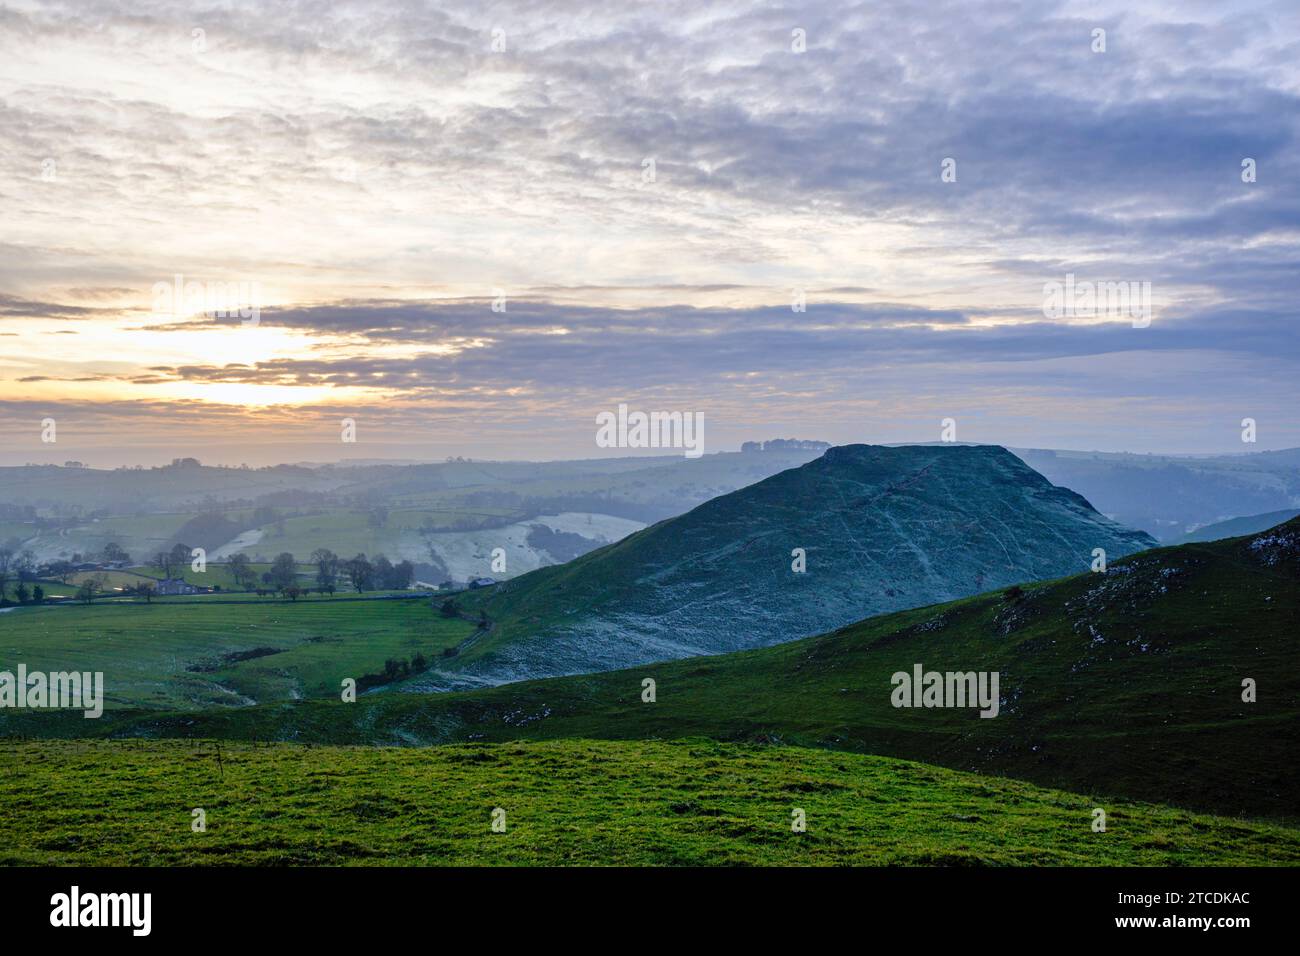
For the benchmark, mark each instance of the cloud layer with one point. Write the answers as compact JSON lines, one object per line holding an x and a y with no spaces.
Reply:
{"x":647,"y":188}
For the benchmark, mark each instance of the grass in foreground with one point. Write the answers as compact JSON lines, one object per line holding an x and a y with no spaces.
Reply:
{"x":689,"y":802}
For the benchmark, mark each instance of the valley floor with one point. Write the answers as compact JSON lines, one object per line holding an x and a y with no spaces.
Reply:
{"x":567,"y":802}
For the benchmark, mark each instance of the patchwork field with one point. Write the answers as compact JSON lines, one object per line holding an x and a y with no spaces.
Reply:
{"x":184,"y":654}
{"x":570,"y":802}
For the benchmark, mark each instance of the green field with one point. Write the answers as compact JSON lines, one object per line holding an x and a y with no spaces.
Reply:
{"x":215,"y":575}
{"x":270,"y":597}
{"x":218,"y":575}
{"x":570,"y":803}
{"x":109,"y":581}
{"x":180,"y":654}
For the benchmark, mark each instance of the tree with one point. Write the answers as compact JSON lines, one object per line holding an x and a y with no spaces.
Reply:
{"x":6,"y":568}
{"x":180,"y":555}
{"x":383,"y":571}
{"x":145,"y":590}
{"x":21,"y":592}
{"x":163,"y":560}
{"x":327,"y":569}
{"x":284,"y":571}
{"x":114,"y":553}
{"x":403,"y":576}
{"x":25,"y":566}
{"x":38,"y":594}
{"x":361,"y":574}
{"x":86,"y":590}
{"x":241,"y":570}
{"x":61,"y":570}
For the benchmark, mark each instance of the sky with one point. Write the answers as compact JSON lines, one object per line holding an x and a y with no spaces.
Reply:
{"x":471,"y":228}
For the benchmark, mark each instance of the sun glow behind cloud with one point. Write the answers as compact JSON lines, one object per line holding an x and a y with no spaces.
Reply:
{"x":264,"y":396}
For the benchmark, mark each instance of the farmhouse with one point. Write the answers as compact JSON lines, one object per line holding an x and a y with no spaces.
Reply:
{"x":482,"y":583}
{"x":175,"y":586}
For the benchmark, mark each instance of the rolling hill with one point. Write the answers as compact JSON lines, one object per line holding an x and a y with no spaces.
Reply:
{"x":880,"y":529}
{"x":1125,"y":683}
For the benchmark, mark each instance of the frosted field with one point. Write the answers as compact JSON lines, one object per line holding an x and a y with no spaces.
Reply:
{"x":468,"y":554}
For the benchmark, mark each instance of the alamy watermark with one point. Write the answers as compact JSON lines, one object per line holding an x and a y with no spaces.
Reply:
{"x":626,"y":429}
{"x":75,"y":908}
{"x":220,"y":300}
{"x":1114,"y":300}
{"x":922,"y":688}
{"x":59,"y":690}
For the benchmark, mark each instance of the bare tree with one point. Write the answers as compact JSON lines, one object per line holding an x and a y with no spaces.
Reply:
{"x":360,"y":573}
{"x":180,"y":555}
{"x":284,"y":572}
{"x":25,"y":566}
{"x":164,"y":561}
{"x":242,"y":572}
{"x":327,"y":569}
{"x":6,"y":568}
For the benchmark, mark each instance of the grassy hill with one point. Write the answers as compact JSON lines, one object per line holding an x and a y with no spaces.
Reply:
{"x":1125,"y":683}
{"x":570,"y":802}
{"x":882,"y":529}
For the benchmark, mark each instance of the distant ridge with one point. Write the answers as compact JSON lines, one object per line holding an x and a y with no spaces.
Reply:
{"x":1235,"y":527}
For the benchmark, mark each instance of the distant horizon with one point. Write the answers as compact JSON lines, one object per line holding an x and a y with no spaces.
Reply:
{"x":613,"y":455}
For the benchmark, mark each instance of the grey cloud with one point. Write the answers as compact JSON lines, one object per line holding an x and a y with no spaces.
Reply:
{"x":607,"y":348}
